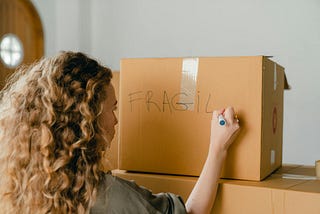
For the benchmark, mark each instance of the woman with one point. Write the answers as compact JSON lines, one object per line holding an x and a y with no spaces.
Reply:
{"x":56,"y":121}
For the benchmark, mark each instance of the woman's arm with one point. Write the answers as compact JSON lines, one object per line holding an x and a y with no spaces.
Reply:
{"x":204,"y":192}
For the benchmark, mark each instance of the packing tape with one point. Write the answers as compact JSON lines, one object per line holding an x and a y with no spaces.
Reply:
{"x":317,"y":166}
{"x":188,"y":87}
{"x":273,"y":157}
{"x":299,"y":177}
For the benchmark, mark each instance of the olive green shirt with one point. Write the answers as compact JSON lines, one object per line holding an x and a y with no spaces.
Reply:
{"x":117,"y":195}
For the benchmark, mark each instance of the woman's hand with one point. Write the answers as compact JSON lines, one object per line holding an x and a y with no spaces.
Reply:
{"x":222,"y":135}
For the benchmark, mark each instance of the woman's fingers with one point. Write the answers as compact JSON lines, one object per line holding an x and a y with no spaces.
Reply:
{"x":230,"y":115}
{"x":216,"y":113}
{"x":226,"y":117}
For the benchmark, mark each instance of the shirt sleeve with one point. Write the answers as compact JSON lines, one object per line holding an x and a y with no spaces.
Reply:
{"x":175,"y":203}
{"x":118,"y":195}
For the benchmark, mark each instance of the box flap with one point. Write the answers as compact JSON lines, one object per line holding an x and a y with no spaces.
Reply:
{"x":286,"y":84}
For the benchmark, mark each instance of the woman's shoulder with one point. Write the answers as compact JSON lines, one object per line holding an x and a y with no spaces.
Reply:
{"x":117,"y":195}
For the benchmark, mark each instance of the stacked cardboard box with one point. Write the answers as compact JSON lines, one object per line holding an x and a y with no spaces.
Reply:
{"x":292,"y":191}
{"x":165,"y":114}
{"x":166,"y":106}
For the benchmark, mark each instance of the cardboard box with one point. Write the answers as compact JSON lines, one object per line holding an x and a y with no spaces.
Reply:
{"x":293,"y":189}
{"x":273,"y":195}
{"x":165,"y":114}
{"x":304,"y":198}
{"x":111,"y":156}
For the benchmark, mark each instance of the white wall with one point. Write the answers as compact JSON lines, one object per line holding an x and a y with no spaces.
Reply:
{"x":47,"y":10}
{"x":287,"y":29}
{"x":67,"y":25}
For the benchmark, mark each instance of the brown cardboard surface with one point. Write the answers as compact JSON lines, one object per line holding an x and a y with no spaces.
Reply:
{"x":162,"y":134}
{"x":273,"y":195}
{"x":303,"y":170}
{"x":247,"y":200}
{"x":309,"y":186}
{"x":272,"y":125}
{"x":111,"y":156}
{"x":303,"y":198}
{"x":285,"y":168}
{"x":288,"y":191}
{"x":297,"y":203}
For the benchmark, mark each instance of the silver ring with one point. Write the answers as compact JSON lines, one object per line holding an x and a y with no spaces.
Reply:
{"x":221,"y":120}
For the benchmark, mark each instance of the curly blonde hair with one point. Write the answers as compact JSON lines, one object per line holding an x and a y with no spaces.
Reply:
{"x":50,"y":137}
